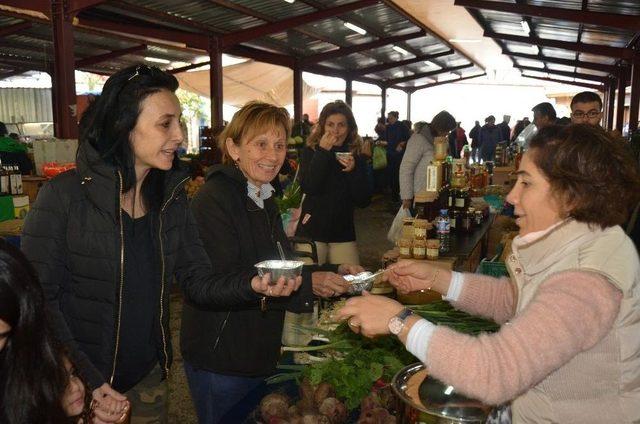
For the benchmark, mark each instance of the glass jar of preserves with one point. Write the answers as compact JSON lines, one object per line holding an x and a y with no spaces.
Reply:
{"x":404,"y":245}
{"x":433,"y":249}
{"x":420,"y":229}
{"x":472,"y":214}
{"x":419,"y":249}
{"x":440,"y":145}
{"x":407,"y":228}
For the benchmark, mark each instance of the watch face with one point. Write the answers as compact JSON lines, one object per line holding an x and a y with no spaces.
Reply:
{"x":395,"y":325}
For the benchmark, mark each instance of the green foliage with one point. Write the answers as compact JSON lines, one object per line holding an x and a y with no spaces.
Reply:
{"x":291,"y":197}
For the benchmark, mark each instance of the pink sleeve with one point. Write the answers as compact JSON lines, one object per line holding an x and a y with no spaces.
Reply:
{"x":488,"y":297}
{"x":571,"y":312}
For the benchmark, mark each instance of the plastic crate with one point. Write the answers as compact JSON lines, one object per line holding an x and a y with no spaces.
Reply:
{"x":493,"y":268}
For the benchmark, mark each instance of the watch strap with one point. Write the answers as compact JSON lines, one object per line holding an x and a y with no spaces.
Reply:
{"x":404,"y":314}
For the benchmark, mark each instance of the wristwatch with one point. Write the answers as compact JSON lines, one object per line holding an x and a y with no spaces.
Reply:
{"x":396,"y":323}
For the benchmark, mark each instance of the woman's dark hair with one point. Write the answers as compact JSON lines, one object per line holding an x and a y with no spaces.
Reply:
{"x":3,"y":129}
{"x":590,"y":172}
{"x":33,"y":377}
{"x":442,"y":123}
{"x":337,"y":107}
{"x":108,"y":121}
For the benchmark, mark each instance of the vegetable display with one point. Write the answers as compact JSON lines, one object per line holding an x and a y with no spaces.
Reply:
{"x":354,"y":364}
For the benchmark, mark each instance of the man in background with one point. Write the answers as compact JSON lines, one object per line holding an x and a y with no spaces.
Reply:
{"x":396,"y":135}
{"x":586,"y":108}
{"x":505,"y":129}
{"x":544,"y":115}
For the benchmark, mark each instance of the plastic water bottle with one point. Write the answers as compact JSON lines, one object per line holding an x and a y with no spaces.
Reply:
{"x":443,"y":227}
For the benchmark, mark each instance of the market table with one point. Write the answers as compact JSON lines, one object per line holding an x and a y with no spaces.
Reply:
{"x":467,"y":249}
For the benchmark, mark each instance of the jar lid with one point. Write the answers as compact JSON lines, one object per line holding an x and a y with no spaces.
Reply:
{"x":471,"y":209}
{"x":408,"y":220}
{"x":425,"y":197}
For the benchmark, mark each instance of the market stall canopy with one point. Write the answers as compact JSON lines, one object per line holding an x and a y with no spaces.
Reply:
{"x":373,"y":41}
{"x":248,"y":81}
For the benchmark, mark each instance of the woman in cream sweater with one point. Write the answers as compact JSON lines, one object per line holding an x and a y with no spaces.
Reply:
{"x":569,"y":347}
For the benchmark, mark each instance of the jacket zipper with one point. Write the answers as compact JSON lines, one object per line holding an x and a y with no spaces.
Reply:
{"x":121,"y":288}
{"x":164,"y":337}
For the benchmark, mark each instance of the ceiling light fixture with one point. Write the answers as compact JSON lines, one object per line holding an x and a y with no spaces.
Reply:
{"x":355,"y":28}
{"x":401,"y":50}
{"x":525,"y":26}
{"x":432,"y":64}
{"x":157,"y":60}
{"x":290,"y":1}
{"x":464,"y":40}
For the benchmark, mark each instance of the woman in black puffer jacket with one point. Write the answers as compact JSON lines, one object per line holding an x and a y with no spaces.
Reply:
{"x":107,"y":239}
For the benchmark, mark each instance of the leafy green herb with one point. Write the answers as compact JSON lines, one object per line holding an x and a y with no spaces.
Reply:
{"x":291,"y":198}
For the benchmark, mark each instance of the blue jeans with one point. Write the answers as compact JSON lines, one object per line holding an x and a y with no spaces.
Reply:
{"x":216,"y":394}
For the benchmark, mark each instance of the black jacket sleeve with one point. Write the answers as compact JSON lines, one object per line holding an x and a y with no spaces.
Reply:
{"x":314,"y":170}
{"x":44,"y":243}
{"x":199,"y":277}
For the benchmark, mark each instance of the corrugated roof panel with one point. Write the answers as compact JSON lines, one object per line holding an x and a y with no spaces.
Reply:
{"x":565,"y":4}
{"x":556,"y":30}
{"x":563,"y":68}
{"x":277,"y":8}
{"x":22,"y":105}
{"x":606,"y":36}
{"x":623,"y":7}
{"x":527,"y":62}
{"x":597,"y":59}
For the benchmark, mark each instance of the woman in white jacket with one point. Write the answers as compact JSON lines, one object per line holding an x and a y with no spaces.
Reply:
{"x":418,"y":155}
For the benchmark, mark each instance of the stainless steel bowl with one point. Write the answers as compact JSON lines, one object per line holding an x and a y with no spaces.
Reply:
{"x":279,"y":268}
{"x":439,"y":403}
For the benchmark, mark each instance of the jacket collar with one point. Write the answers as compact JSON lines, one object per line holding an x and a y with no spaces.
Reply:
{"x":103,"y":183}
{"x":544,"y":251}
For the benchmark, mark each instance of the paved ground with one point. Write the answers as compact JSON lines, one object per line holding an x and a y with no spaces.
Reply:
{"x":372,"y":224}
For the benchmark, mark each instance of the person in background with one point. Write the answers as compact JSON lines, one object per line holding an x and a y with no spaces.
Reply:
{"x":489,"y":138}
{"x":417,"y":127}
{"x":544,"y":115}
{"x":228,"y":352}
{"x":586,"y":108}
{"x":409,"y":126}
{"x":109,"y":237}
{"x":333,"y":177}
{"x":505,"y":129}
{"x":517,"y":129}
{"x":419,"y":154}
{"x":381,"y":128}
{"x":396,"y":135}
{"x":35,"y":385}
{"x":567,"y":350}
{"x":461,"y":138}
{"x":474,"y":135}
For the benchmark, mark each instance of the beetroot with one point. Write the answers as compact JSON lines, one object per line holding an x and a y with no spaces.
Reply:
{"x":274,"y":405}
{"x":323,"y":391}
{"x":334,"y":409}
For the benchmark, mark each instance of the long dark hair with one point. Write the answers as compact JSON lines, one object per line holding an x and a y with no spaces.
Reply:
{"x":337,"y":107}
{"x":34,"y":378}
{"x":110,"y":118}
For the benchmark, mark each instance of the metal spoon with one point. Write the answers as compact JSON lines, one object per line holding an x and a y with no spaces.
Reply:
{"x":281,"y":251}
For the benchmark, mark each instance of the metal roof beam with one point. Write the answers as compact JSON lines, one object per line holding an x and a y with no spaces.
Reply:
{"x":344,"y":51}
{"x":325,"y":70}
{"x":574,"y":63}
{"x":188,"y":67}
{"x":433,"y":84}
{"x":426,"y":74}
{"x":42,"y":6}
{"x":188,"y":38}
{"x":631,"y":22}
{"x":242,"y":36}
{"x":12,"y":29}
{"x":578,"y":84}
{"x":384,"y":66}
{"x":565,"y":74}
{"x":597,"y":49}
{"x":162,"y":17}
{"x":88,"y":61}
{"x":262,"y":56}
{"x":76,"y":6}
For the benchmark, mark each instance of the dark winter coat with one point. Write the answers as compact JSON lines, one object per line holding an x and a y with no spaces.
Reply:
{"x":73,"y":237}
{"x":489,"y":138}
{"x":331,"y":195}
{"x":237,"y":234}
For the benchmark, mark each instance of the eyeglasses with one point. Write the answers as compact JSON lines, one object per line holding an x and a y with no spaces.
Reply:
{"x":591,"y":114}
